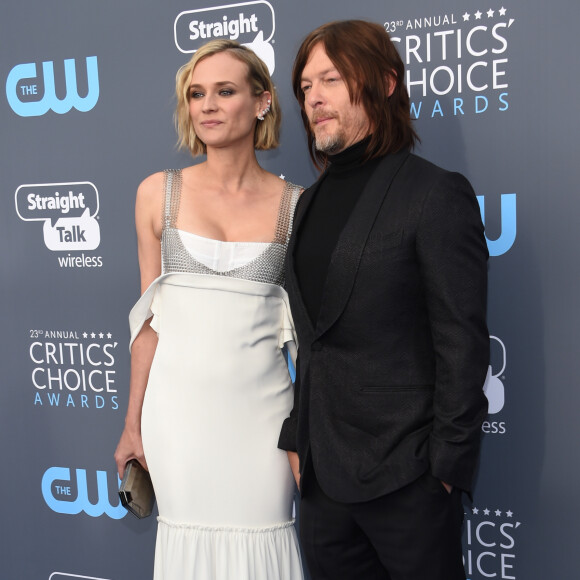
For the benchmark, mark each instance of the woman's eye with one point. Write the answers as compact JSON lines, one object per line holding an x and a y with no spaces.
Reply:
{"x":195,"y":95}
{"x":226,"y":92}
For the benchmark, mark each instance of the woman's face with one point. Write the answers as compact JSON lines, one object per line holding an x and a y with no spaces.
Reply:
{"x":221,"y":105}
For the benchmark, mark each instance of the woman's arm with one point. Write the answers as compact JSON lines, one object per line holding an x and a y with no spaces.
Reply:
{"x":148,"y":225}
{"x":295,"y":466}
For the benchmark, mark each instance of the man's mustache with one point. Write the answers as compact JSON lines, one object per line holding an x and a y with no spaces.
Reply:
{"x":321,"y":114}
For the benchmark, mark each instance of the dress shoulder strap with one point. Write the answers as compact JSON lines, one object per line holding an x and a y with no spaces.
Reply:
{"x":172,"y":188}
{"x":285,"y":219}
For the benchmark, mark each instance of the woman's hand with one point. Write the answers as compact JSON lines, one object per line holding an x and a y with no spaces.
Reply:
{"x":129,"y":447}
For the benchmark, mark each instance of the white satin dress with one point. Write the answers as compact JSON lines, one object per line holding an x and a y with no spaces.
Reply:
{"x":218,"y":392}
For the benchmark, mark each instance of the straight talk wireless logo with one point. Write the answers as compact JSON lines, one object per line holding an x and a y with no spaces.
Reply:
{"x":250,"y":23}
{"x":69,"y":212}
{"x":67,"y":576}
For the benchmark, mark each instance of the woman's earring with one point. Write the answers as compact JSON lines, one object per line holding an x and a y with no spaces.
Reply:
{"x":264,"y":111}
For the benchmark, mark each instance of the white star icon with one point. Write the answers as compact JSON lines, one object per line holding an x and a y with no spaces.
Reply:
{"x":93,"y":335}
{"x":465,"y":17}
{"x":109,"y":335}
{"x":475,"y":511}
{"x":502,"y":11}
{"x":490,"y":13}
{"x":509,"y":513}
{"x":282,"y":176}
{"x":497,"y":513}
{"x":101,"y":335}
{"x":478,"y":15}
{"x":85,"y":335}
{"x":486,"y":512}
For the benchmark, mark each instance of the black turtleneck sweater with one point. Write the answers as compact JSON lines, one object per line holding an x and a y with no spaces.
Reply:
{"x":325,"y":219}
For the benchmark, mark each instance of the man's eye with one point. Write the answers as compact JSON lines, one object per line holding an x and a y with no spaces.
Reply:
{"x":305,"y":88}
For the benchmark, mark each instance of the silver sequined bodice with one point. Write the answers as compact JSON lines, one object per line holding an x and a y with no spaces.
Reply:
{"x":268,"y":267}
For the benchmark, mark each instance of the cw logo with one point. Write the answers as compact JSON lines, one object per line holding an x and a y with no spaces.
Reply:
{"x":508,"y":224}
{"x":62,"y":477}
{"x":24,"y":97}
{"x":493,"y":387}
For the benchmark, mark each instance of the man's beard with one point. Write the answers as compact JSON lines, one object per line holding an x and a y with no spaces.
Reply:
{"x":330,"y":143}
{"x":327,"y":143}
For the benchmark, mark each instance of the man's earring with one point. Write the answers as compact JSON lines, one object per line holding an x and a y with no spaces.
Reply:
{"x":264,"y":111}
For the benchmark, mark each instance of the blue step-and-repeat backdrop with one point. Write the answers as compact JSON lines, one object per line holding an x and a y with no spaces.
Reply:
{"x":87,"y":114}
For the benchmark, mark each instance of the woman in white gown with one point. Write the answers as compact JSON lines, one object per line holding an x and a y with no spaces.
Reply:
{"x":209,"y":385}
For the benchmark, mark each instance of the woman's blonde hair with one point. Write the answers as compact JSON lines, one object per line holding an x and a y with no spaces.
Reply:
{"x":267,"y":132}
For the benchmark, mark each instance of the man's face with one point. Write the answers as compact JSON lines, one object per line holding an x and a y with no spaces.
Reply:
{"x":335,"y":121}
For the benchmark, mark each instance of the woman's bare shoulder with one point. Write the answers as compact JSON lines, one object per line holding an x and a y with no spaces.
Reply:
{"x":151,"y":188}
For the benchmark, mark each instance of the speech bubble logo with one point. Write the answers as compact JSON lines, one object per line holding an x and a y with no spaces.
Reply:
{"x":42,"y":201}
{"x":74,"y":233}
{"x":249,"y":23}
{"x":494,"y":388}
{"x":64,"y":575}
{"x":264,"y":50}
{"x":68,"y":211}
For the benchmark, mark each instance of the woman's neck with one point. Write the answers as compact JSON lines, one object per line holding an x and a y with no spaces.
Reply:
{"x":232,"y":168}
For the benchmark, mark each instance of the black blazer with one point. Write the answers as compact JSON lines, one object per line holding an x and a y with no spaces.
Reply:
{"x":389,"y":378}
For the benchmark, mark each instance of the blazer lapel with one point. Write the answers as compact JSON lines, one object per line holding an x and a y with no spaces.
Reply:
{"x":299,"y":310}
{"x":346,"y":256}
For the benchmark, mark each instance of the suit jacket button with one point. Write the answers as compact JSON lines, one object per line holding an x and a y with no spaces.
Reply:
{"x":316,"y":346}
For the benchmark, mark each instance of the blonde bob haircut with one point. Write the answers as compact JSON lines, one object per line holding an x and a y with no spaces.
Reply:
{"x":267,"y":132}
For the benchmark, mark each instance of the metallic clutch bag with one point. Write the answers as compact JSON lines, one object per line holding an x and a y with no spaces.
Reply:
{"x":136,"y":491}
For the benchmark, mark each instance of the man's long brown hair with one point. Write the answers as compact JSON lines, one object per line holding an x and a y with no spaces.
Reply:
{"x":367,"y":60}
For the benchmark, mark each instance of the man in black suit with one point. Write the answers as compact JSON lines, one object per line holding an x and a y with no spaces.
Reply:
{"x":387,"y":275}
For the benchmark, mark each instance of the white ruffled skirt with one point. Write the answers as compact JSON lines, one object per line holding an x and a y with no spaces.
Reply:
{"x":218,"y":392}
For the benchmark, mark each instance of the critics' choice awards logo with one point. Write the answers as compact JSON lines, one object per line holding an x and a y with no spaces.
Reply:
{"x":494,"y":388}
{"x":69,"y":212}
{"x":490,"y":543}
{"x":31,"y":94}
{"x":73,"y":370}
{"x":456,"y":64}
{"x":249,"y":23}
{"x":65,"y":493}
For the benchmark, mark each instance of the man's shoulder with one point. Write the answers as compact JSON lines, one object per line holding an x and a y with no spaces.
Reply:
{"x":423,"y":171}
{"x":418,"y":163}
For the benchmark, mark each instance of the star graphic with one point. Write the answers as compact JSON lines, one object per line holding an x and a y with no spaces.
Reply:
{"x":509,"y":513}
{"x":101,"y":335}
{"x":475,"y":511}
{"x":109,"y":335}
{"x":497,"y":513}
{"x":93,"y":335}
{"x":502,"y":11}
{"x":85,"y":335}
{"x":486,"y":512}
{"x":465,"y":17}
{"x":490,"y":13}
{"x":282,"y":176}
{"x":478,"y":15}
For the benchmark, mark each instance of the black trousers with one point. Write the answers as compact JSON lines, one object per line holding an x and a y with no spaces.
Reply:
{"x":413,"y":533}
